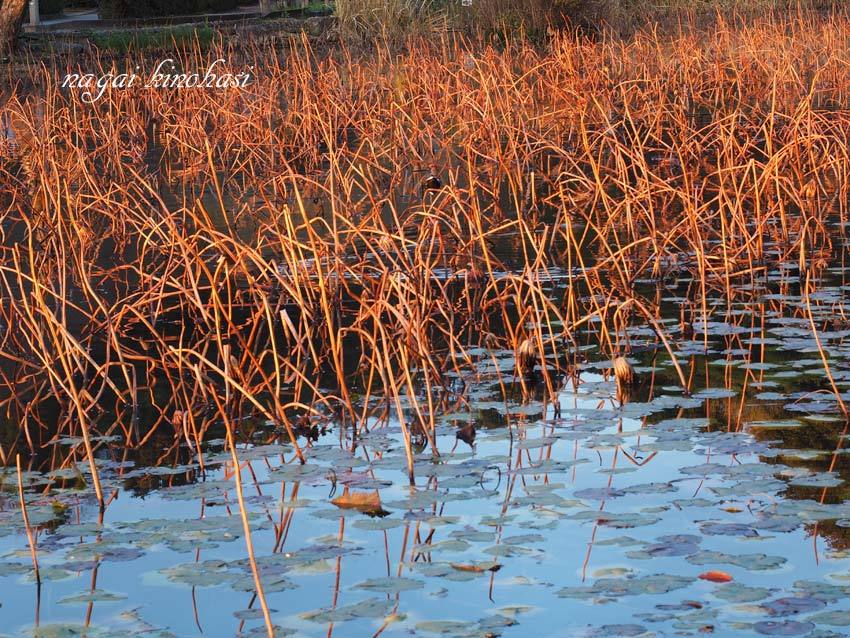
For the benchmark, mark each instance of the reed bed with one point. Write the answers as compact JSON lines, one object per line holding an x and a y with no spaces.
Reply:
{"x":173,"y":261}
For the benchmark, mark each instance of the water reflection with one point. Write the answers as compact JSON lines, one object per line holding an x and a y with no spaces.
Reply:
{"x":603,"y":510}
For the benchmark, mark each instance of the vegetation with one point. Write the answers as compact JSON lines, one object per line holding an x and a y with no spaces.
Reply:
{"x":322,"y":7}
{"x":362,"y":19}
{"x":141,"y":39}
{"x":341,"y":259}
{"x":386,"y":244}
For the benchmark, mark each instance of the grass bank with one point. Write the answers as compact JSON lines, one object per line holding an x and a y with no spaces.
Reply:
{"x":121,"y":41}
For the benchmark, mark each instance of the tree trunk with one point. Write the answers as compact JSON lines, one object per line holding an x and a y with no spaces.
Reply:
{"x":265,"y":7}
{"x":11,"y":15}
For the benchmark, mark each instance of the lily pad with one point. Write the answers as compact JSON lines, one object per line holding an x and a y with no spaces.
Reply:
{"x":390,"y":585}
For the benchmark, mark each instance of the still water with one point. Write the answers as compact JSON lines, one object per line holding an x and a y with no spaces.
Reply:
{"x":578,"y":515}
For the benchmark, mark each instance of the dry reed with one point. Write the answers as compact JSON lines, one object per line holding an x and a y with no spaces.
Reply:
{"x":222,"y":255}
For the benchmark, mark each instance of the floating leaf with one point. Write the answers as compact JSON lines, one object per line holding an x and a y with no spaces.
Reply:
{"x":756,"y":562}
{"x":97,"y":595}
{"x":737,"y":593}
{"x":477,"y":567}
{"x":366,"y":502}
{"x":251,"y":614}
{"x":370,"y":608}
{"x":653,"y":584}
{"x":727,"y":529}
{"x":390,"y":585}
{"x":793,"y":605}
{"x":382,"y":524}
{"x":443,"y":627}
{"x":618,"y":630}
{"x":60,"y":630}
{"x":832,"y":618}
{"x":206,"y":574}
{"x":783,"y":628}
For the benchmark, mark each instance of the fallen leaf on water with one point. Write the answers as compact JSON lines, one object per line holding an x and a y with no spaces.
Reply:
{"x":483,"y":567}
{"x":366,"y":502}
{"x":716,"y":576}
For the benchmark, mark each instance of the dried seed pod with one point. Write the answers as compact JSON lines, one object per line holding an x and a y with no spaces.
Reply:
{"x":623,"y":372}
{"x":809,"y":190}
{"x":177,"y":418}
{"x":526,"y":357}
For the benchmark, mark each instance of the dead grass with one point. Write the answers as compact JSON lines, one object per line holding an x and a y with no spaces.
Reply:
{"x":219,"y":255}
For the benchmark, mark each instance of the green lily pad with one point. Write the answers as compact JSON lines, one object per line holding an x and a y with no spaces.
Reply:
{"x":98,"y":595}
{"x":390,"y":585}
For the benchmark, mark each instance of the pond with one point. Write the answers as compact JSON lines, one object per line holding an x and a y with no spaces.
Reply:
{"x":720,"y":512}
{"x":347,"y":352}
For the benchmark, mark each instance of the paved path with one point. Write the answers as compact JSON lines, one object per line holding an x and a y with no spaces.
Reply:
{"x":72,"y":15}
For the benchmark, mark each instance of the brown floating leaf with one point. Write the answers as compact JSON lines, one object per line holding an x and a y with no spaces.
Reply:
{"x":366,"y":502}
{"x":480,"y":568}
{"x":716,"y":576}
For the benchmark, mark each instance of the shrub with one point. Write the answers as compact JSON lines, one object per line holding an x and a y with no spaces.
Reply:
{"x":513,"y":15}
{"x":361,"y":20}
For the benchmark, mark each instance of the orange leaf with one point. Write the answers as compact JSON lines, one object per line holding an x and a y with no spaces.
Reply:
{"x":480,"y":568}
{"x":716,"y":576}
{"x":366,"y":502}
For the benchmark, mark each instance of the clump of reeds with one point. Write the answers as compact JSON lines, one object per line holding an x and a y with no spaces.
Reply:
{"x":313,"y":252}
{"x":387,"y":20}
